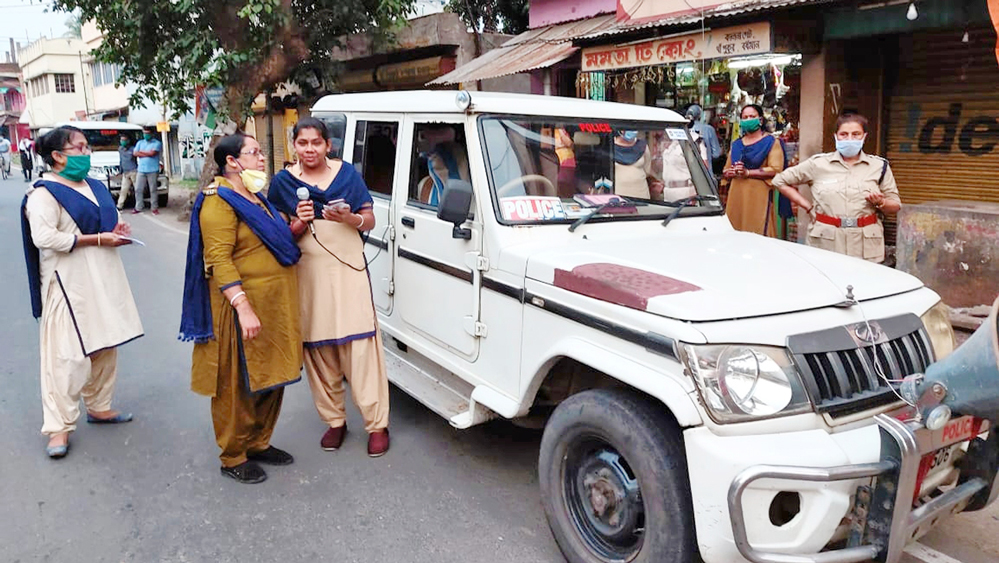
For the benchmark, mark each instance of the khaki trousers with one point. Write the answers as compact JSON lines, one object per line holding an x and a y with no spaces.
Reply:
{"x":68,"y":375}
{"x":362,"y":363}
{"x":244,"y":421}
{"x":127,"y":184}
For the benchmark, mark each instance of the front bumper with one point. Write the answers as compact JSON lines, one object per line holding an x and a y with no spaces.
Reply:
{"x":882,"y":519}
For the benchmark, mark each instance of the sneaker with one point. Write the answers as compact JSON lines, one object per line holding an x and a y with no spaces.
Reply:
{"x":136,"y":211}
{"x":156,"y":211}
{"x":378,"y":443}
{"x":333,"y":438}
{"x":272,"y":456}
{"x":247,"y":472}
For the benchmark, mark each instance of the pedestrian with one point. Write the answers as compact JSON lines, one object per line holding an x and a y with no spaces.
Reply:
{"x":241,"y":309}
{"x":849,"y":189}
{"x":78,"y":288}
{"x":339,"y":324}
{"x":27,"y":149}
{"x":5,"y":148}
{"x":752,"y":163}
{"x":129,"y":168}
{"x":147,"y":152}
{"x":633,"y":175}
{"x":707,"y":133}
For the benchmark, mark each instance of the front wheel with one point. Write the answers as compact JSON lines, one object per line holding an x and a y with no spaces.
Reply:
{"x":614,"y":481}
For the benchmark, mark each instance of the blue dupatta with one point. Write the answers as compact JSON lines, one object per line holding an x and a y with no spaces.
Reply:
{"x":196,"y":316}
{"x":91,"y":219}
{"x":347,"y":185}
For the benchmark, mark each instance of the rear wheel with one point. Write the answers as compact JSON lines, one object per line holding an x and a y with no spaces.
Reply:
{"x":614,"y":482}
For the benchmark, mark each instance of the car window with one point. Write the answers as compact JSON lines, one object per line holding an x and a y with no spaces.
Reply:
{"x":337,"y":124}
{"x":374,"y":154}
{"x":440,"y":153}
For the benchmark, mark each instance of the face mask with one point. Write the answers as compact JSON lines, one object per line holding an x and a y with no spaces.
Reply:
{"x":750,"y":125}
{"x":254,"y":180}
{"x":849,"y":148}
{"x":147,"y":136}
{"x":123,"y":143}
{"x":629,"y":136}
{"x":77,"y":167}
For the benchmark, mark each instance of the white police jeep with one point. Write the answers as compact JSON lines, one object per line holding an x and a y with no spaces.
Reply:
{"x":706,"y":392}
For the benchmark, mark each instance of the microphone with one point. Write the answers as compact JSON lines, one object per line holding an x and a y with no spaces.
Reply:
{"x":303,"y":195}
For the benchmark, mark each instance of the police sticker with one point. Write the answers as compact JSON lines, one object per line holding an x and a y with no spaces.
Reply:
{"x":676,"y":134}
{"x":529,"y":208}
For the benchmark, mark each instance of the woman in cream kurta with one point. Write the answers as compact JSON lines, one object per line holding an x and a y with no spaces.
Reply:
{"x":339,"y":325}
{"x":87,"y":308}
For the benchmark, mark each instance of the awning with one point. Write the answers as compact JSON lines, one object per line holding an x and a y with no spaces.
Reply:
{"x":687,"y":17}
{"x":537,"y":48}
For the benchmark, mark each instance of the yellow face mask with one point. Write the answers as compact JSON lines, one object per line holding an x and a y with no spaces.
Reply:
{"x":254,"y":180}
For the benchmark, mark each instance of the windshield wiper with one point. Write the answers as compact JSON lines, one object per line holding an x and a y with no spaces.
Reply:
{"x":680,"y":204}
{"x":619,"y":202}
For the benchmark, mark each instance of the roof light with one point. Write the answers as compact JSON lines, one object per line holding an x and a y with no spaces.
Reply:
{"x":463,"y":100}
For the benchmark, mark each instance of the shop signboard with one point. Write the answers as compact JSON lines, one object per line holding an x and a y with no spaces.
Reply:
{"x":413,"y":72}
{"x":749,"y":39}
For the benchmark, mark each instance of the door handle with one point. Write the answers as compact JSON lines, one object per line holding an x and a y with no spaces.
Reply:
{"x":409,"y":222}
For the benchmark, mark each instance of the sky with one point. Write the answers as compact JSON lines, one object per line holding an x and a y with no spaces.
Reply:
{"x":27,"y":20}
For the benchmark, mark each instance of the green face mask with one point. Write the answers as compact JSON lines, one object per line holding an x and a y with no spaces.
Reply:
{"x":123,"y":142}
{"x":147,"y":136}
{"x":77,"y":167}
{"x":750,"y":125}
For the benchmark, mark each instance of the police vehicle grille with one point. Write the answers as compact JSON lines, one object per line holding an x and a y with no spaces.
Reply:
{"x":842,"y":380}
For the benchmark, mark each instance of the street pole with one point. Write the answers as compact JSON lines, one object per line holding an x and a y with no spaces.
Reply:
{"x":166,"y":144}
{"x":83,"y":84}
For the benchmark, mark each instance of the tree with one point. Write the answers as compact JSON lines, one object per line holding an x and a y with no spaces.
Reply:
{"x":166,"y":47}
{"x":504,"y":16}
{"x":73,"y":26}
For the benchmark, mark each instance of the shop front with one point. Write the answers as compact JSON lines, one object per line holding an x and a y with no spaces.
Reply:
{"x":722,"y":70}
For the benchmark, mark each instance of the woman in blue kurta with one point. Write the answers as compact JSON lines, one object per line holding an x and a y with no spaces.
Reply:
{"x":339,"y":325}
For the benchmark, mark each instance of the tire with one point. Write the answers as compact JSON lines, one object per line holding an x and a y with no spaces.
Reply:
{"x":615,"y":444}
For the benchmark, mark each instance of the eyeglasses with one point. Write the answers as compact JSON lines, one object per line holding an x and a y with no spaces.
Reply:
{"x":855,"y":135}
{"x":252,"y":152}
{"x":84,"y":149}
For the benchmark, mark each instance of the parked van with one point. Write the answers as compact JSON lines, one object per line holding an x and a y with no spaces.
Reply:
{"x":705,"y":392}
{"x":105,"y":164}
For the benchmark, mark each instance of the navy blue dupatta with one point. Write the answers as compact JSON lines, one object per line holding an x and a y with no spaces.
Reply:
{"x":270,"y":228}
{"x":90,"y":218}
{"x":347,"y":185}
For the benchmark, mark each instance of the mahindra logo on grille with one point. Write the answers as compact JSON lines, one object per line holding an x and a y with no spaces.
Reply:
{"x":869,"y":333}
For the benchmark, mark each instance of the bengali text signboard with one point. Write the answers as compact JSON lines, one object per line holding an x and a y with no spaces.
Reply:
{"x":750,"y":39}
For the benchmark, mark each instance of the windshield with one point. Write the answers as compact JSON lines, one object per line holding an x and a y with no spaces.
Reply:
{"x":545,"y":170}
{"x":107,"y":139}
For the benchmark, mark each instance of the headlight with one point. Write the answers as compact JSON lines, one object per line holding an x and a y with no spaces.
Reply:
{"x":937,"y":323}
{"x":743,"y":382}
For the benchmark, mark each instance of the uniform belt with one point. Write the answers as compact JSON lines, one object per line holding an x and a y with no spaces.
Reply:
{"x":846,"y":221}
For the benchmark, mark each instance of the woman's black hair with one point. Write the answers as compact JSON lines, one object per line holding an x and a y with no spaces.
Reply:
{"x":310,"y":123}
{"x":230,"y":145}
{"x":54,"y":141}
{"x":759,"y":111}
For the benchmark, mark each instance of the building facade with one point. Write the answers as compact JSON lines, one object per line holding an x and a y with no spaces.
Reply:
{"x":52,"y":74}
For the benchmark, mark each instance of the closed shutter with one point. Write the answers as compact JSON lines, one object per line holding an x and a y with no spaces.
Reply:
{"x":943,"y":117}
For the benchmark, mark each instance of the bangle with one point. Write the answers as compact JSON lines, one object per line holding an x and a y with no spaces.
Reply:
{"x":235,"y":297}
{"x":361,"y":224}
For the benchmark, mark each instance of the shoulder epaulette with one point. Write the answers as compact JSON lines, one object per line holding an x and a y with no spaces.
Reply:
{"x":820,"y":155}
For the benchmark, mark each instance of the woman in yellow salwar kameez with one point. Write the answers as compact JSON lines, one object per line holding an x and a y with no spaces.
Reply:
{"x":752,"y":164}
{"x":241,"y":309}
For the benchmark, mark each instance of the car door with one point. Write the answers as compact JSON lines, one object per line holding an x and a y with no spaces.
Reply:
{"x":437,"y":290}
{"x":375,"y":156}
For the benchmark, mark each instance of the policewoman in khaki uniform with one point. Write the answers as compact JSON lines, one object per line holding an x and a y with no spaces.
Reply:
{"x":848,"y":187}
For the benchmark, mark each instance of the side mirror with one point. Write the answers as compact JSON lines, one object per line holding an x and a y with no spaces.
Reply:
{"x":455,"y":205}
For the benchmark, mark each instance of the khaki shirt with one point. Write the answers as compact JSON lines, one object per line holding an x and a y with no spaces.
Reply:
{"x":840,"y":190}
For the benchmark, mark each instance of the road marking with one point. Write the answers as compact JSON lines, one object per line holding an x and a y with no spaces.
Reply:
{"x":928,"y":554}
{"x":165,"y":225}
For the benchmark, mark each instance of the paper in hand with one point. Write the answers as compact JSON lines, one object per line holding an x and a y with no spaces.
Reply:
{"x":134,"y":241}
